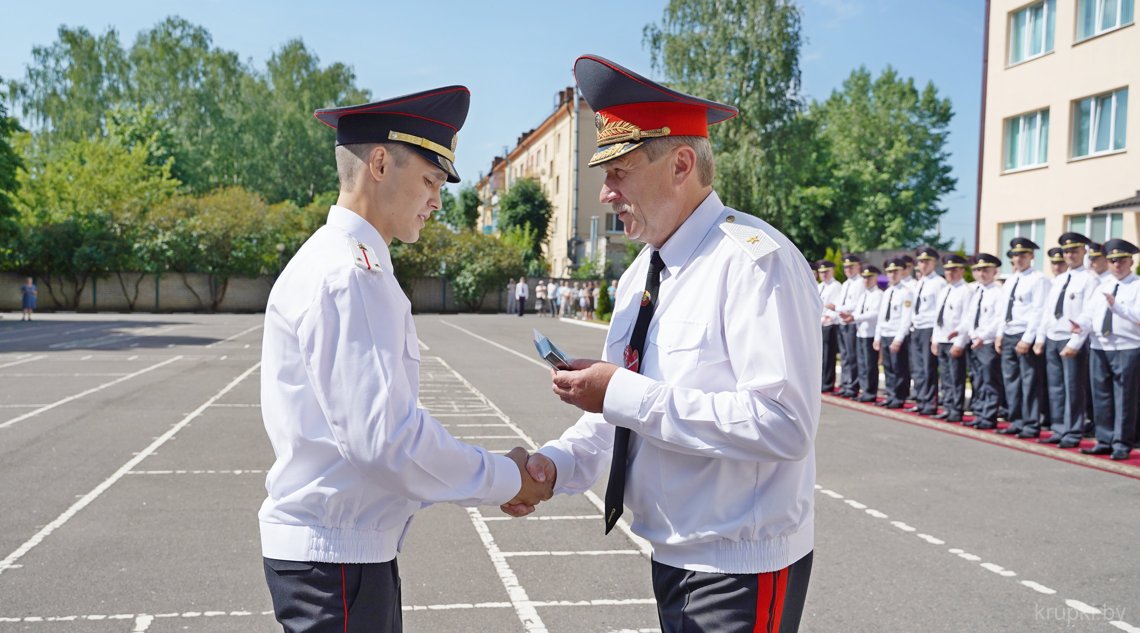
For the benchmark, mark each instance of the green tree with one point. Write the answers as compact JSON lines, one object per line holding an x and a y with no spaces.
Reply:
{"x":10,"y":163}
{"x":887,"y":145}
{"x":487,"y":264}
{"x":459,"y":212}
{"x":605,"y":307}
{"x":525,"y":205}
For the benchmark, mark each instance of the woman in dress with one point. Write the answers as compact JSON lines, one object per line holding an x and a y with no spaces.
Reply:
{"x":29,"y":303}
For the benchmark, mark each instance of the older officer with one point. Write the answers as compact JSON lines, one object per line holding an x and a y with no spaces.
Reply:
{"x":923,"y":364}
{"x":980,"y":323}
{"x":949,"y":339}
{"x":1023,"y":297}
{"x":715,"y":381}
{"x":1066,"y":376}
{"x":356,"y":456}
{"x":1113,"y":317}
{"x":850,"y":297}
{"x":830,"y":291}
{"x":892,"y":335}
{"x":865,"y":318}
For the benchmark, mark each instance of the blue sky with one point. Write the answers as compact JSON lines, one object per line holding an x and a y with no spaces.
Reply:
{"x":516,"y":55}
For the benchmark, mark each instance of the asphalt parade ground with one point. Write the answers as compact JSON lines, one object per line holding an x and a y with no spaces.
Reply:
{"x":132,"y":465}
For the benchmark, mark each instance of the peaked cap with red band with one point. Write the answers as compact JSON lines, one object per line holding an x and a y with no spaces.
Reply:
{"x":428,"y":121}
{"x":631,"y":109}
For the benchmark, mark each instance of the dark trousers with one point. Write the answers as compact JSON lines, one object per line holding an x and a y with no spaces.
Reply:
{"x":849,"y":376}
{"x":521,"y":303}
{"x":953,"y":373}
{"x":1067,"y":381}
{"x":896,"y":370}
{"x":868,"y":366}
{"x":830,"y":350}
{"x":924,"y":370}
{"x":691,"y":601}
{"x":335,"y":597}
{"x":1024,"y":384}
{"x":986,"y":383}
{"x":1115,"y":380}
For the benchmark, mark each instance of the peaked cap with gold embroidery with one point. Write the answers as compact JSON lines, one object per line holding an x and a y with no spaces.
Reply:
{"x":631,"y":109}
{"x":428,"y":121}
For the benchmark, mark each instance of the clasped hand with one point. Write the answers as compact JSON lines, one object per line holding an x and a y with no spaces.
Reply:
{"x":538,"y":477}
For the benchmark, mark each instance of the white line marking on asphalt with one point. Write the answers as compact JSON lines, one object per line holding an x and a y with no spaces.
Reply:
{"x":135,"y":357}
{"x":25,"y":360}
{"x":528,"y":359}
{"x":1082,"y":607}
{"x":87,"y":357}
{"x":593,"y":603}
{"x":228,"y":339}
{"x":1038,"y":587}
{"x":21,"y":406}
{"x":526,"y":612}
{"x":999,"y":570}
{"x":597,"y":326}
{"x":423,"y":346}
{"x":855,"y":504}
{"x":831,"y":493}
{"x":1124,"y":626}
{"x":875,"y":513}
{"x":930,"y":539}
{"x":142,"y":623}
{"x":123,"y":470}
{"x":973,"y":558}
{"x":597,"y":552}
{"x":903,"y":526}
{"x":85,"y":393}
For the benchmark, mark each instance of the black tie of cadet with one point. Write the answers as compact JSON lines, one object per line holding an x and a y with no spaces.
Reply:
{"x":1060,"y":309}
{"x":1106,"y":327}
{"x":942,"y":310}
{"x":1012,"y":295}
{"x":918,"y":299}
{"x":615,"y":489}
{"x":889,"y":297}
{"x":978,"y":314}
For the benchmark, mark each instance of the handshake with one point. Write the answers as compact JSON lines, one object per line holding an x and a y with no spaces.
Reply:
{"x":538,"y":477}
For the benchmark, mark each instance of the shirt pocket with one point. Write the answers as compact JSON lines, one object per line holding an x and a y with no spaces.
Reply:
{"x":678,"y":345}
{"x":621,"y":329}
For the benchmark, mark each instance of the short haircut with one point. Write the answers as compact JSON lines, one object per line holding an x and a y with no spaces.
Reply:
{"x":351,"y":159}
{"x":706,"y":165}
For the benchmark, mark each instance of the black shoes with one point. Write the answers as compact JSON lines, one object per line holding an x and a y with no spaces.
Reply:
{"x":984,"y":426}
{"x":1119,"y":454}
{"x":1069,"y":444}
{"x":865,"y":399}
{"x":894,"y":405}
{"x":942,"y":416}
{"x":1099,"y":449}
{"x":1009,"y":430}
{"x":1028,"y":435}
{"x":1052,"y":439}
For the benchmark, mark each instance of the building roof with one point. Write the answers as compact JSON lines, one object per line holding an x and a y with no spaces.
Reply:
{"x":1132,"y":201}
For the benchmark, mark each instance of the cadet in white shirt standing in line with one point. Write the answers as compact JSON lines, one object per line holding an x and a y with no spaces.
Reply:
{"x":1023,"y":371}
{"x":923,"y":364}
{"x":981,"y":322}
{"x":356,"y":456}
{"x":848,"y":301}
{"x":865,"y":318}
{"x":1067,"y":377}
{"x":830,"y":291}
{"x":1099,"y":271}
{"x":707,"y":398}
{"x":1113,"y":318}
{"x":892,"y":335}
{"x":949,"y":339}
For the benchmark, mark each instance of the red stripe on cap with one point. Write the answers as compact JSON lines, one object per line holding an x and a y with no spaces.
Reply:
{"x":682,"y":119}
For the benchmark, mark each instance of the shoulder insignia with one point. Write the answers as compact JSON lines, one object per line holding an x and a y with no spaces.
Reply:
{"x":363,"y":255}
{"x":750,"y":239}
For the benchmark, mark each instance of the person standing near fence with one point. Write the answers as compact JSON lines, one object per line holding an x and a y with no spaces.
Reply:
{"x":29,"y":292}
{"x":522,"y":293}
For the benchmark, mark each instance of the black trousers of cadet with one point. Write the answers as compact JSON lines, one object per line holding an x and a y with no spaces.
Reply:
{"x":986,"y":383}
{"x":868,"y":366}
{"x":849,"y":375}
{"x":1024,"y":384}
{"x":335,"y":597}
{"x":692,"y":601}
{"x":953,"y":373}
{"x":1115,"y":380}
{"x":830,"y":350}
{"x":896,"y":369}
{"x":1067,"y":381}
{"x":924,"y":371}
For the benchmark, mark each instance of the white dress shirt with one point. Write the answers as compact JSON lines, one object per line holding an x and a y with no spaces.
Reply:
{"x":522,"y":291}
{"x":1125,"y":316}
{"x":1078,"y":287}
{"x":850,"y":296}
{"x":725,"y":410}
{"x":866,"y":314}
{"x":926,"y":294}
{"x":898,"y":305}
{"x":830,"y":292}
{"x":1030,"y":289}
{"x":953,"y":303}
{"x":984,"y":326}
{"x":356,"y":456}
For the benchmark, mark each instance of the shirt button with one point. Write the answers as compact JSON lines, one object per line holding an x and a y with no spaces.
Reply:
{"x":730,"y":219}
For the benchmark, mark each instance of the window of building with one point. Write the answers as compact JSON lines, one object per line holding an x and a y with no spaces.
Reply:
{"x":614,"y":224}
{"x":1098,"y":227}
{"x":1032,"y":229}
{"x":1100,"y":123}
{"x":1098,"y":16}
{"x":1031,"y":31}
{"x":557,"y":183}
{"x":1027,"y":140}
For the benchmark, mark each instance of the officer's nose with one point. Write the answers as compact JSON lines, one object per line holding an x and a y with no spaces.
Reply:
{"x":608,"y":195}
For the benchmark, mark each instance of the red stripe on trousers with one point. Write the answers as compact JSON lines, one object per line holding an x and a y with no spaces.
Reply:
{"x":344,"y":597}
{"x":770,"y":590}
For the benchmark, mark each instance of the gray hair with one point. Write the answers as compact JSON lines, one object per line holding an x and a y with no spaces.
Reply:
{"x":351,"y":159}
{"x":706,"y":165}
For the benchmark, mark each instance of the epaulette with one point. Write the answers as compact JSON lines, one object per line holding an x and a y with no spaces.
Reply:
{"x":753,"y":240}
{"x":363,"y":255}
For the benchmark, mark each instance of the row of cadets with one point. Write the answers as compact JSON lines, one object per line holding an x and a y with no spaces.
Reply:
{"x":923,"y":361}
{"x":851,"y":297}
{"x":949,"y":339}
{"x":980,"y":323}
{"x":830,"y":292}
{"x":1023,"y":372}
{"x":865,"y":318}
{"x":892,"y":335}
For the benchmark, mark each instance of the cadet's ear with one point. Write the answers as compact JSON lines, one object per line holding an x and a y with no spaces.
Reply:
{"x":379,"y":162}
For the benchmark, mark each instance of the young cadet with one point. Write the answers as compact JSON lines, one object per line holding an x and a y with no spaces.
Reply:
{"x":949,"y":340}
{"x":709,"y":377}
{"x":1023,"y":371}
{"x":850,"y":297}
{"x":1098,"y":264}
{"x":923,"y":364}
{"x":865,"y":318}
{"x":892,"y":335}
{"x":981,"y":322}
{"x":356,"y":455}
{"x":829,"y":292}
{"x":1067,"y":377}
{"x":1113,"y":318}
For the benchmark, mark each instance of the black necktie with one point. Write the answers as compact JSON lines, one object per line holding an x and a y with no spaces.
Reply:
{"x":1060,"y":309}
{"x":918,"y":300}
{"x":615,"y":489}
{"x":942,"y":310}
{"x":843,"y":301}
{"x":863,"y":306}
{"x":978,"y":313}
{"x":1012,"y":296}
{"x":890,"y":295}
{"x":1106,"y":327}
